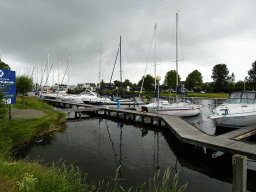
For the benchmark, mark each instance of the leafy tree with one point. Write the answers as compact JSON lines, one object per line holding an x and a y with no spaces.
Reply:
{"x":252,"y":75}
{"x":4,"y":66}
{"x":194,"y":79}
{"x":127,"y":83}
{"x":239,"y":85}
{"x":117,"y":83}
{"x":220,"y":77}
{"x":102,"y":85}
{"x":24,"y":84}
{"x":170,"y":79}
{"x":149,"y":83}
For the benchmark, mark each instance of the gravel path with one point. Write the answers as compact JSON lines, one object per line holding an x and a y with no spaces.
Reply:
{"x":26,"y":113}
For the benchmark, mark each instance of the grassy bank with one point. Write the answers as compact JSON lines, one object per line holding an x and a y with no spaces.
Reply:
{"x":23,"y":175}
{"x":20,"y":131}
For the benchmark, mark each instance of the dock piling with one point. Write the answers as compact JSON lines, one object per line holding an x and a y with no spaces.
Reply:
{"x":239,"y":173}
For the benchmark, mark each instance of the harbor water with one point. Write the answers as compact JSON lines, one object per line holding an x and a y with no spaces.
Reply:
{"x":98,"y":146}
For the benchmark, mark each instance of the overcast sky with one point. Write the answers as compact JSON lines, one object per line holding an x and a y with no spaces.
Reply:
{"x":210,"y":32}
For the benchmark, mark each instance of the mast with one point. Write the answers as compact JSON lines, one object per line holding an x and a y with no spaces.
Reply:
{"x":47,"y":70}
{"x":177,"y":83}
{"x":155,"y":57}
{"x":100,"y":66}
{"x":120,"y":67}
{"x":68,"y":70}
{"x":58,"y":75}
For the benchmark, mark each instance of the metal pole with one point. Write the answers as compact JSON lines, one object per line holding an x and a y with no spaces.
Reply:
{"x":58,"y":75}
{"x":158,"y":99}
{"x":177,"y":57}
{"x":68,"y":69}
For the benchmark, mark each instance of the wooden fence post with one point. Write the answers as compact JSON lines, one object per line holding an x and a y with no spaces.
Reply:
{"x":239,"y":173}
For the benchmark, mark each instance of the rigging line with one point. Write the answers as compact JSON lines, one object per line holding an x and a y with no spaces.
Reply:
{"x":48,"y":75}
{"x":146,"y":66}
{"x":43,"y":75}
{"x":113,"y":70}
{"x":112,"y":143}
{"x":65,"y":73}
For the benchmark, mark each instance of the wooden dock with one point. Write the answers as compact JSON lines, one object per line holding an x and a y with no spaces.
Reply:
{"x":184,"y":131}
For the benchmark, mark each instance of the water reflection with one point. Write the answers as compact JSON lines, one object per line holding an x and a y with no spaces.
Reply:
{"x":99,"y":146}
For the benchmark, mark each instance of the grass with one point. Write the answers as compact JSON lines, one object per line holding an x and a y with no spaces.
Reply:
{"x":20,"y":131}
{"x":23,"y":175}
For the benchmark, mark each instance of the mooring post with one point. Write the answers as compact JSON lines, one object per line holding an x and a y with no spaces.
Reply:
{"x":10,"y":112}
{"x":152,"y":120}
{"x":239,"y":173}
{"x":159,"y":122}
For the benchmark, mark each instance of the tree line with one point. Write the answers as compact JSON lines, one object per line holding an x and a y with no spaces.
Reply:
{"x":222,"y":81}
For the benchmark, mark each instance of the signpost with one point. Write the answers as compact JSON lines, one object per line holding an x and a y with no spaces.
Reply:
{"x":8,"y":85}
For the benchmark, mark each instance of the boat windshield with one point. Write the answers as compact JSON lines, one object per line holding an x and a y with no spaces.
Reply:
{"x":234,"y":98}
{"x":247,"y":98}
{"x":241,"y":97}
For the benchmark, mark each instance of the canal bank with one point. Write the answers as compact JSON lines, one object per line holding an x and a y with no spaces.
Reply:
{"x":16,"y":173}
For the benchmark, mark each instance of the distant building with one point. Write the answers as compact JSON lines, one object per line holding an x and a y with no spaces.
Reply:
{"x":88,"y":86}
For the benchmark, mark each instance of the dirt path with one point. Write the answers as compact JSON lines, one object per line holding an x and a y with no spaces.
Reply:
{"x":26,"y":113}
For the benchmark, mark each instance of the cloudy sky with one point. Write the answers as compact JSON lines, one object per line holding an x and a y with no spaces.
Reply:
{"x":210,"y":32}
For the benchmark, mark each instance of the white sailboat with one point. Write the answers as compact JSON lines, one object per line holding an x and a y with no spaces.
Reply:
{"x":120,"y":102}
{"x":184,"y":108}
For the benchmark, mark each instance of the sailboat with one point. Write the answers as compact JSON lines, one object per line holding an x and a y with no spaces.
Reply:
{"x":120,"y":102}
{"x":183,"y":108}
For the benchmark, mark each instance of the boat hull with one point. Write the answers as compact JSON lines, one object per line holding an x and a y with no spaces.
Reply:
{"x":234,"y":120}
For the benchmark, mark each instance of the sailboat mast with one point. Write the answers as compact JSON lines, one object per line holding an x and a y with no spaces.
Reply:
{"x":58,"y":75}
{"x":68,"y":70}
{"x":100,"y":67}
{"x":155,"y":57}
{"x":120,"y":62}
{"x":177,"y":83}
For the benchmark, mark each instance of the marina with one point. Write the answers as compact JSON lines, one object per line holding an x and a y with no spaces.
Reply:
{"x":99,"y":143}
{"x":183,"y":130}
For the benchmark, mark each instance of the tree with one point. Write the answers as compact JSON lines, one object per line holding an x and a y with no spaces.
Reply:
{"x":24,"y":84}
{"x":194,"y":80}
{"x":170,"y":79}
{"x":4,"y":66}
{"x":239,"y":86}
{"x":149,"y":82}
{"x":127,"y":83}
{"x":117,"y":83}
{"x":220,"y":77}
{"x":102,"y":85}
{"x":252,"y":75}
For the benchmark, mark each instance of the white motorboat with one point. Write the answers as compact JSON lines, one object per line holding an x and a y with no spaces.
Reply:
{"x":239,"y":110}
{"x":85,"y":95}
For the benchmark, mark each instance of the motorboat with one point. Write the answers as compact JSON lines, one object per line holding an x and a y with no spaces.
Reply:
{"x":239,"y":110}
{"x":83,"y":96}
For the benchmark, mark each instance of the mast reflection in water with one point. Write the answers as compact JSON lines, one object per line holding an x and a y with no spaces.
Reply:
{"x":99,"y":146}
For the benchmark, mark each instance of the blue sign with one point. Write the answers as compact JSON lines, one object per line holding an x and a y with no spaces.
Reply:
{"x":8,"y":84}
